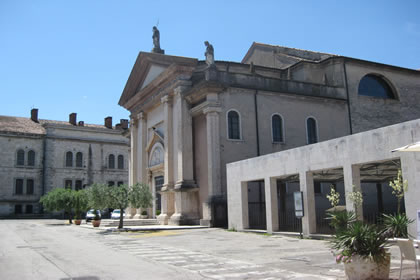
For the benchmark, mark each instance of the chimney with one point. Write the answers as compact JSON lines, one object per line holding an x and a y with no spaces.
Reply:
{"x":34,"y":115}
{"x":81,"y":123}
{"x":108,"y":122}
{"x":124,"y":123}
{"x":72,"y":118}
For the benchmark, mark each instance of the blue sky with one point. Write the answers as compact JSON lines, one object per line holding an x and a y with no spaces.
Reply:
{"x":76,"y":56}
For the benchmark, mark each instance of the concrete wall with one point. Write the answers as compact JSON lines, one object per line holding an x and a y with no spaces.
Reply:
{"x":347,"y":152}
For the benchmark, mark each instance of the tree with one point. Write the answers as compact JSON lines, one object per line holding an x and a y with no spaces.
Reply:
{"x":57,"y":200}
{"x":140,"y":196}
{"x":118,"y":197}
{"x":80,"y":203}
{"x":97,"y":197}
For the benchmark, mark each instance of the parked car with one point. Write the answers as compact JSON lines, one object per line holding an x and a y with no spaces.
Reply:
{"x":116,"y":214}
{"x":91,"y":214}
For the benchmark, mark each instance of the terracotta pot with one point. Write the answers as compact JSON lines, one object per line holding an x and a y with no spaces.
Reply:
{"x":96,"y":223}
{"x":77,"y":222}
{"x":361,"y":269}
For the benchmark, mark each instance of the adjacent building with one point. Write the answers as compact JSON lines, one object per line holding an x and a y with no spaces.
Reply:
{"x":40,"y":155}
{"x":190,"y":117}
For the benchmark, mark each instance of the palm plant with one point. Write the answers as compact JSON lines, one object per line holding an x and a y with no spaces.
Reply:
{"x":364,"y":240}
{"x":396,"y":225}
{"x":340,"y":220}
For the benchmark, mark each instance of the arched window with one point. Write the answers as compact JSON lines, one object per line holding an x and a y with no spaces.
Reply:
{"x":20,"y":157}
{"x":31,"y":158}
{"x":311,"y":131}
{"x":79,"y":159}
{"x":277,"y":128}
{"x":111,"y":161}
{"x":69,"y":159}
{"x":372,"y":85}
{"x":234,"y":125}
{"x":157,"y":155}
{"x":120,"y":162}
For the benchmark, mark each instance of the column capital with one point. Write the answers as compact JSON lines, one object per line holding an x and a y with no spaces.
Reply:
{"x":212,"y":108}
{"x":141,"y":116}
{"x":182,"y":87}
{"x":166,"y":99}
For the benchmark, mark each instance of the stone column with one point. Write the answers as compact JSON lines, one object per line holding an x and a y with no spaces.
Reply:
{"x":213,"y":161}
{"x":307,"y":187}
{"x":271,"y":204}
{"x":352,"y":178}
{"x":166,"y":201}
{"x":186,"y":191}
{"x":140,"y":153}
{"x":243,"y":207}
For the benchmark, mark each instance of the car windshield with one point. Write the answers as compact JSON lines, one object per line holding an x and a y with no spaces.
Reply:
{"x":116,"y":211}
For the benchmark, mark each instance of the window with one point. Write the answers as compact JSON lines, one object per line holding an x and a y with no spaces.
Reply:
{"x":29,"y":209}
{"x":120,"y":183}
{"x":31,"y":158}
{"x":19,"y":186}
{"x":317,"y":187}
{"x":111,"y":162}
{"x":120,"y":162}
{"x":79,"y":159}
{"x":277,"y":128}
{"x":311,"y":131}
{"x":68,"y":184}
{"x":111,"y":183}
{"x":375,"y":86}
{"x":157,"y":155}
{"x":29,"y":186}
{"x":78,"y":185}
{"x":69,"y":159}
{"x":234,"y":124}
{"x":18,"y":209}
{"x":20,"y":160}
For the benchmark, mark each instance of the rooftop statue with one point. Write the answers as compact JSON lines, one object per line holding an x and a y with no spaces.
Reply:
{"x":209,"y":53}
{"x":156,"y":41}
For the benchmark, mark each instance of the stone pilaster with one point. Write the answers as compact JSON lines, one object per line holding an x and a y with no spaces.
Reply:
{"x":140,"y":153}
{"x":167,"y":201}
{"x":133,"y":163}
{"x":212,"y":113}
{"x":186,"y":191}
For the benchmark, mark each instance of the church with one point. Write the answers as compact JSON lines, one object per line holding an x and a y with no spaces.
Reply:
{"x":191,"y":117}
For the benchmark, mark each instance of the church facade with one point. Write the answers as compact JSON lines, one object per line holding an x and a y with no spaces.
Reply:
{"x":190,"y":117}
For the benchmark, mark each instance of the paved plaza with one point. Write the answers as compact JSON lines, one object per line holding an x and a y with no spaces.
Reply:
{"x":50,"y":249}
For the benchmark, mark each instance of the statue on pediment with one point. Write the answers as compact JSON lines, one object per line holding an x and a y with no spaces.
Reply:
{"x":156,"y":41}
{"x":209,"y":53}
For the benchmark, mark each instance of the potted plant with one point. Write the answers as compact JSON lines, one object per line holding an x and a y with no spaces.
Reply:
{"x":80,"y":204}
{"x":362,"y":249}
{"x":143,"y":214}
{"x":97,"y":199}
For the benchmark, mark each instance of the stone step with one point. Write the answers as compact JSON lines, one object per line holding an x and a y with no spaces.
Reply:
{"x":130,"y":222}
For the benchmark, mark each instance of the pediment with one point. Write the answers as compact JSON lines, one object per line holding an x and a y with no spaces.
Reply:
{"x":154,"y":71}
{"x":156,"y":138}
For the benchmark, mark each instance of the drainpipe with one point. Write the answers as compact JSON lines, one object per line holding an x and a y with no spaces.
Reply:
{"x":348,"y":95}
{"x":256,"y":122}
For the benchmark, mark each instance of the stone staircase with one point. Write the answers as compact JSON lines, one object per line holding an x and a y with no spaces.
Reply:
{"x":130,"y":222}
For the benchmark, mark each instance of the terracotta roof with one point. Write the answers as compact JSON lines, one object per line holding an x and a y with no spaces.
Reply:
{"x":20,"y":125}
{"x":64,"y":123}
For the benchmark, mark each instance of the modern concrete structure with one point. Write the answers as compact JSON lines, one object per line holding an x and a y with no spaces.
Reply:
{"x":355,"y":158}
{"x":39,"y":155}
{"x":191,"y":117}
